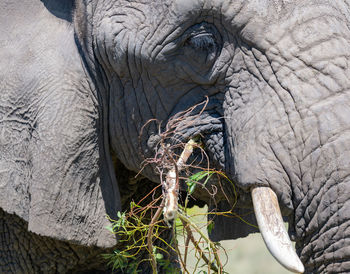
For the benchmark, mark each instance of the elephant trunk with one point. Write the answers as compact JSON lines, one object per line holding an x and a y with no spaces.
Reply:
{"x":322,"y":226}
{"x":288,"y":128}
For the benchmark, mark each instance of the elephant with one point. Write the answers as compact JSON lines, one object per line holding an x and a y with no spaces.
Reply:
{"x":267,"y":85}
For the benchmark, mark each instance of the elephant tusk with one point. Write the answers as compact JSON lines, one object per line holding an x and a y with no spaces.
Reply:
{"x":272,"y":229}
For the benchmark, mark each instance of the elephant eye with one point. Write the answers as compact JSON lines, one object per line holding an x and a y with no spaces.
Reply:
{"x":202,"y":42}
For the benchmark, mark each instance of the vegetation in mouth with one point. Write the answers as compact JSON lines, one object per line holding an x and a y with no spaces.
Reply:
{"x":146,"y":239}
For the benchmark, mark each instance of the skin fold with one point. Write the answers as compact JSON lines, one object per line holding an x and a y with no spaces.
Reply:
{"x":89,"y":87}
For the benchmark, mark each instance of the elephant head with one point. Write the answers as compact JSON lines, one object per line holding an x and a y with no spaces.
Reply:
{"x":275,"y":79}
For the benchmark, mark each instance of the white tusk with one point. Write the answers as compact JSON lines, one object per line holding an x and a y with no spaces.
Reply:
{"x":272,"y":229}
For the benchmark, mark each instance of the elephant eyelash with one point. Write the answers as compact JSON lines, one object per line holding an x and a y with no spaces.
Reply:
{"x":202,"y":41}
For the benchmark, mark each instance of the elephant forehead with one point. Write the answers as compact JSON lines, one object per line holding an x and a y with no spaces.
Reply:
{"x":261,"y":8}
{"x":174,"y":11}
{"x":159,"y":22}
{"x":185,"y":6}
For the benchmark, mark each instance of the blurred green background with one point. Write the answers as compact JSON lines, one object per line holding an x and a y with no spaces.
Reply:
{"x":244,"y":256}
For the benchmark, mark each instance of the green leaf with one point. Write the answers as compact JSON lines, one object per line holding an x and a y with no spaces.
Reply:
{"x":133,"y":205}
{"x":210,"y":227}
{"x":159,"y":256}
{"x":191,"y":187}
{"x":193,"y":180}
{"x":198,"y":176}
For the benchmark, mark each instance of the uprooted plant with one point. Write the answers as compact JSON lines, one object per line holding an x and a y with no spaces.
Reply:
{"x":141,"y":229}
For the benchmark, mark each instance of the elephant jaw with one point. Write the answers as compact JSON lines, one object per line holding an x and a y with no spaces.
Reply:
{"x":272,"y":229}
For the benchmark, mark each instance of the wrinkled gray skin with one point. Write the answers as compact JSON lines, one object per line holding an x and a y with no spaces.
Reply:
{"x":79,"y":80}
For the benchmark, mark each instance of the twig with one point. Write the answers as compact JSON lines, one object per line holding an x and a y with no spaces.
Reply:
{"x":183,"y":263}
{"x":185,"y":219}
{"x":172,"y":181}
{"x":196,"y":245}
{"x":149,"y":237}
{"x":187,"y":242}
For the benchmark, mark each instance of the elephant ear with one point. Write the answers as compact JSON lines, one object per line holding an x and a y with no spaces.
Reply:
{"x":55,"y":168}
{"x":72,"y":185}
{"x":240,"y":224}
